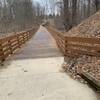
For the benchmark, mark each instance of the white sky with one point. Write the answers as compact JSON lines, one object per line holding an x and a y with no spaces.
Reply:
{"x":46,"y":4}
{"x":49,"y":5}
{"x":42,"y":2}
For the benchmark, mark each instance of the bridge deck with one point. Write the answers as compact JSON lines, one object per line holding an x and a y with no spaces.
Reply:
{"x":42,"y":45}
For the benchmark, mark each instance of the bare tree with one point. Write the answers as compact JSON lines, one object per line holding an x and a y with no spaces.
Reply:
{"x":67,"y":15}
{"x":17,"y":15}
{"x":97,"y":4}
{"x":78,"y":10}
{"x":74,"y":12}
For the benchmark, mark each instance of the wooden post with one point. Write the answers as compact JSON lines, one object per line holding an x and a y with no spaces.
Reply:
{"x":18,"y":40}
{"x":23,"y":38}
{"x":10,"y":46}
{"x":2,"y":58}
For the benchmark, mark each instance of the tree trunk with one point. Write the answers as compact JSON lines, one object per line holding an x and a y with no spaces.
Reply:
{"x":74,"y":12}
{"x":67,"y":15}
{"x":97,"y":4}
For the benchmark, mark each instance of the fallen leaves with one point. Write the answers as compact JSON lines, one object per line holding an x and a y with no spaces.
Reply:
{"x":87,"y":64}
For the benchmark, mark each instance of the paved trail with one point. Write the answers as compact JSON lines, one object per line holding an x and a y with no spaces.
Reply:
{"x":33,"y":74}
{"x":42,"y":45}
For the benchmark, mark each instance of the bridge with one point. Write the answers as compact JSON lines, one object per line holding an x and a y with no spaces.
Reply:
{"x":43,"y":46}
{"x":33,"y":60}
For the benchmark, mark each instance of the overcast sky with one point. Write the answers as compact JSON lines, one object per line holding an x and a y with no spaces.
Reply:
{"x":46,"y":4}
{"x":49,"y":5}
{"x":42,"y":2}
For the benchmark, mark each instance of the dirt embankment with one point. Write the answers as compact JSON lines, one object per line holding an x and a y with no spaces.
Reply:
{"x":88,"y":28}
{"x":89,"y":64}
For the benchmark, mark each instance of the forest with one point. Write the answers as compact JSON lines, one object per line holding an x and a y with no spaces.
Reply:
{"x":17,"y":15}
{"x":73,"y":12}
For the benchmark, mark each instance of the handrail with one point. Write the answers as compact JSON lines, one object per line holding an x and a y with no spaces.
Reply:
{"x":9,"y":45}
{"x":75,"y":45}
{"x":59,"y":37}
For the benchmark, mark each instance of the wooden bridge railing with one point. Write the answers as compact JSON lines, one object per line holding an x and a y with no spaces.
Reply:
{"x":76,"y":45}
{"x":59,"y":37}
{"x":9,"y":45}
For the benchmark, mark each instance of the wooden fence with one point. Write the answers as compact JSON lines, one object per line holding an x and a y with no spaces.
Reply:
{"x":9,"y":45}
{"x":76,"y":45}
{"x":59,"y":37}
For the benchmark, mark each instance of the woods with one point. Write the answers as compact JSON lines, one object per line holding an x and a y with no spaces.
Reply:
{"x":75,"y":11}
{"x":79,"y":10}
{"x":17,"y":15}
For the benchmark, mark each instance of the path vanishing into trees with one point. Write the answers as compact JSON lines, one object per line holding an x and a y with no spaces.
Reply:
{"x":42,"y":45}
{"x":33,"y":74}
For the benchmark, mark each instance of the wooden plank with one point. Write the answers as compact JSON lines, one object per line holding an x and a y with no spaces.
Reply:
{"x":84,"y":40}
{"x":91,"y":81}
{"x":1,"y":52}
{"x":54,"y":31}
{"x":90,"y":47}
{"x":11,"y":44}
{"x":78,"y":45}
{"x":79,"y":51}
